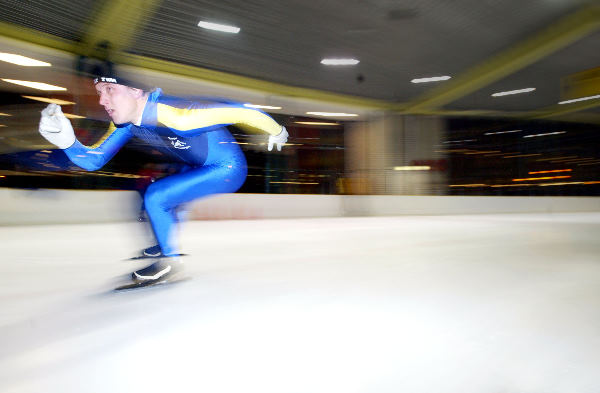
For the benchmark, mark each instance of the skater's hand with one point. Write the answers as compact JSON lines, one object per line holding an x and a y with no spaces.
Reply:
{"x":279,"y":139}
{"x":56,"y":128}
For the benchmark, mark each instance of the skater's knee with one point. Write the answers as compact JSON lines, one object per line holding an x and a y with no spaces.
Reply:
{"x":154,"y":196}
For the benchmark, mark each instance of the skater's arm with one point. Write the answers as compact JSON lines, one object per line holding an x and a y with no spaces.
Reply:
{"x":56,"y":128}
{"x":94,"y":157}
{"x":193,"y":121}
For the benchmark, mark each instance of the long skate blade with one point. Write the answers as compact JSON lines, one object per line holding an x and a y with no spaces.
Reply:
{"x":140,"y":257}
{"x":150,"y":284}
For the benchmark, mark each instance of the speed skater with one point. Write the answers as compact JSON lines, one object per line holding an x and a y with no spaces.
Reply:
{"x":191,"y":133}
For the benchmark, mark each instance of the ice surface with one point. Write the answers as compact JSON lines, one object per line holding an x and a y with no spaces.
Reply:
{"x":469,"y":304}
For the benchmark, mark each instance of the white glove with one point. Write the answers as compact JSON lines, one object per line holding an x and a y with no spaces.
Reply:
{"x":279,"y":139}
{"x":56,"y":128}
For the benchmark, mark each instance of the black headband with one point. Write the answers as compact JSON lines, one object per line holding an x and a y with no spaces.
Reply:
{"x":119,"y":81}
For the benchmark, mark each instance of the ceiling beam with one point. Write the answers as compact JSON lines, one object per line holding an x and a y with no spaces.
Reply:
{"x":31,"y":36}
{"x":560,"y":110}
{"x":117,"y":22}
{"x":556,"y":36}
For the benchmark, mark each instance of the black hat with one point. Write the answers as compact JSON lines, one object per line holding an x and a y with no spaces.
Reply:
{"x":120,"y":81}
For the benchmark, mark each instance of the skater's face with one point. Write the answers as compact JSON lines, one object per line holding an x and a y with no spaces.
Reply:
{"x":122,"y":103}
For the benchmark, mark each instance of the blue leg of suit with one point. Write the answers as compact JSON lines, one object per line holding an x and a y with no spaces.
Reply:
{"x":163,"y":196}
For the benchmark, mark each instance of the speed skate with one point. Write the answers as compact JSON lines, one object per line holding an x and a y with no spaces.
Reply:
{"x":161,"y":282}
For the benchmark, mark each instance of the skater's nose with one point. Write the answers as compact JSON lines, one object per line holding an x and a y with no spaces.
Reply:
{"x":103,"y":100}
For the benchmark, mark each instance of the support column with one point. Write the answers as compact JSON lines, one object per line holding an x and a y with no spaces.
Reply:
{"x":381,"y":152}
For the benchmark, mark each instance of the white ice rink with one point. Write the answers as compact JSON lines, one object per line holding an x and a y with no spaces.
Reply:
{"x":438,"y":304}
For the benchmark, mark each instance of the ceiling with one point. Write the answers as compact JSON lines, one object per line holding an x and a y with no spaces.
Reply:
{"x":486,"y":46}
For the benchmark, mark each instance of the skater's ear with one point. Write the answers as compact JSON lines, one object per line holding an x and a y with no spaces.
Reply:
{"x":137,"y":93}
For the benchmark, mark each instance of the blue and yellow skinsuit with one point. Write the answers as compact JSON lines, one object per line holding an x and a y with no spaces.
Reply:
{"x":187,"y":132}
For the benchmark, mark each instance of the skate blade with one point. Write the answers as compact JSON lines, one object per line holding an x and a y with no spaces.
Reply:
{"x":150,"y":284}
{"x":140,"y":257}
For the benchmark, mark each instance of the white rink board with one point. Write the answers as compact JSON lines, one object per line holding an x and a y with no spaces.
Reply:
{"x":18,"y":207}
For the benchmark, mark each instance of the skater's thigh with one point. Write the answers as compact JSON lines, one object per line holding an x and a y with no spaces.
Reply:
{"x":195,"y":183}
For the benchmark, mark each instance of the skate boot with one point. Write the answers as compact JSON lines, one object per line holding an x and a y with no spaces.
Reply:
{"x":150,"y":252}
{"x":164,"y":269}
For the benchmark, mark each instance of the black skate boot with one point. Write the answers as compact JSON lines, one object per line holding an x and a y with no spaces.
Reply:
{"x":152,"y":252}
{"x":162,"y":270}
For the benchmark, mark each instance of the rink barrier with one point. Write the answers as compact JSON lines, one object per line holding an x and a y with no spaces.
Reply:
{"x":22,"y":207}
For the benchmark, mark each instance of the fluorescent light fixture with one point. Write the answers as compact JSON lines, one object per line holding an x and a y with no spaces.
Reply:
{"x":463,"y":140}
{"x":412,"y":168}
{"x":4,"y":114}
{"x":502,"y":132}
{"x":431,"y":79}
{"x":340,"y":61}
{"x":553,"y":171}
{"x":291,"y":182}
{"x":579,"y":99}
{"x":261,"y":106}
{"x":50,"y":100}
{"x":507,"y":93}
{"x":22,"y":60}
{"x":338,"y":114}
{"x":35,"y":85}
{"x":218,"y":27}
{"x":524,"y":155}
{"x":542,"y":178}
{"x":545,"y":134}
{"x":482,"y":152}
{"x":469,"y":185}
{"x":316,"y":123}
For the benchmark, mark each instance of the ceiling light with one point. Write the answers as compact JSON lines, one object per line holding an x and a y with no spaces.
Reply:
{"x":4,"y":114}
{"x":552,"y":171}
{"x":50,"y":100}
{"x":339,"y":114}
{"x":340,"y":61}
{"x":412,"y":168}
{"x":502,"y":132}
{"x":35,"y":85}
{"x":542,"y":178}
{"x":261,"y":106}
{"x":507,"y":93}
{"x":316,"y":123}
{"x":22,"y":60}
{"x":579,"y":99}
{"x":432,"y":79}
{"x":463,"y":140}
{"x":524,"y":155}
{"x":218,"y":27}
{"x":548,"y":133}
